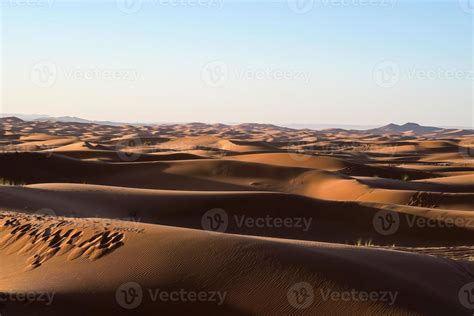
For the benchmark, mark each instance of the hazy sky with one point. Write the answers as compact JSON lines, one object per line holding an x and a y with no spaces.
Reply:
{"x":323,"y":61}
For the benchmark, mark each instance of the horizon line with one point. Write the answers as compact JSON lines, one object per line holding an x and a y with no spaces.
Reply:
{"x":33,"y":117}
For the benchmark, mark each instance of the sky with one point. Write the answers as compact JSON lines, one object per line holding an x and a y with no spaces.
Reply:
{"x":358,"y":62}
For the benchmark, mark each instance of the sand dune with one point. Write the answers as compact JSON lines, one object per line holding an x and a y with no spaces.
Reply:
{"x":155,"y":252}
{"x":266,"y":220}
{"x":317,"y":218}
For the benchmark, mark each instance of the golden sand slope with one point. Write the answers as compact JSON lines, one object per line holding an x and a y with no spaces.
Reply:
{"x":176,"y":259}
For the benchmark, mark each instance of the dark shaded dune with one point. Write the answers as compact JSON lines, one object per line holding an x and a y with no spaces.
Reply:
{"x":440,"y":169}
{"x":212,"y":175}
{"x":416,"y":186}
{"x":9,"y":137}
{"x":352,"y":221}
{"x":261,"y":144}
{"x":464,"y":178}
{"x":31,"y":168}
{"x":427,"y":147}
{"x":344,"y":166}
{"x":190,"y":174}
{"x":387,"y":159}
{"x":253,"y":152}
{"x":142,"y":138}
{"x":290,"y":159}
{"x":163,"y":255}
{"x":112,"y":156}
{"x":389,"y":172}
{"x":386,"y":172}
{"x":37,"y":167}
{"x":442,"y":200}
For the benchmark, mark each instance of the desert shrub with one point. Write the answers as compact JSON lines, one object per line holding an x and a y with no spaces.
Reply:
{"x":15,"y":182}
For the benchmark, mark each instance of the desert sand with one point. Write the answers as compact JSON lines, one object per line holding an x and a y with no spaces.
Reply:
{"x":235,"y":219}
